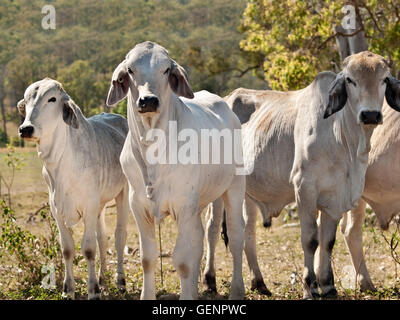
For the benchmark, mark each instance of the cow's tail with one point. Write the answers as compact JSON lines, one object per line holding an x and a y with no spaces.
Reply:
{"x":224,"y":232}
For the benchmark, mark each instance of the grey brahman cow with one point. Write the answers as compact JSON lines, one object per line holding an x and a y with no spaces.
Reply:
{"x":82,"y":170}
{"x":312,"y":146}
{"x":161,"y":101}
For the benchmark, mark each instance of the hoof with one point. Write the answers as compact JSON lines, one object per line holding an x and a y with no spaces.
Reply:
{"x":94,"y":293}
{"x":68,"y":291}
{"x":237,"y":293}
{"x":330,"y":294}
{"x":121,"y":285}
{"x":210,"y":283}
{"x":260,"y":286}
{"x":366,"y":285}
{"x":68,"y":296}
{"x":311,"y":295}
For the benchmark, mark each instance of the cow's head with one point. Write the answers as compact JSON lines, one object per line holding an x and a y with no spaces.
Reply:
{"x":363,"y":84}
{"x":151,"y":76}
{"x":45,"y":105}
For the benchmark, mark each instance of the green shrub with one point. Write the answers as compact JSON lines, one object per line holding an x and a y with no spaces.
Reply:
{"x":29,"y":252}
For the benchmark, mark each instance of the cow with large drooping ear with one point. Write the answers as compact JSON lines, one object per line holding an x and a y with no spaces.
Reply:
{"x":337,"y":96}
{"x":392,"y":93}
{"x":178,"y":81}
{"x":119,"y":84}
{"x":69,"y":111}
{"x":362,"y":86}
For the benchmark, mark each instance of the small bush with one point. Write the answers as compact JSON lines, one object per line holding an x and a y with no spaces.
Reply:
{"x":28,"y":252}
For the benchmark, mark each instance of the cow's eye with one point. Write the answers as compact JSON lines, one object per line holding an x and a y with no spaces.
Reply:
{"x":53,"y":99}
{"x":166,"y":71}
{"x":130,"y":71}
{"x":351,"y":81}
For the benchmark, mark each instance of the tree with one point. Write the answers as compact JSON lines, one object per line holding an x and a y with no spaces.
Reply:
{"x":294,"y":40}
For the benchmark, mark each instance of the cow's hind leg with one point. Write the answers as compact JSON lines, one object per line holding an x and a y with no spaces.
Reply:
{"x":327,"y":236}
{"x":250,"y":217}
{"x":122,"y":201}
{"x":233,"y":200}
{"x":89,"y":251}
{"x":102,"y":242}
{"x":351,"y":227}
{"x":214,"y":218}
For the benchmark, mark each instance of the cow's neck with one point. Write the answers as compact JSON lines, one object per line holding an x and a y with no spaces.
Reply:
{"x":52,"y":147}
{"x":61,"y":146}
{"x":353,"y":136}
{"x":142,"y":133}
{"x":142,"y":126}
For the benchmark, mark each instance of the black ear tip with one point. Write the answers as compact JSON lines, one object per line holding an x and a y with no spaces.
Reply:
{"x":327,"y":114}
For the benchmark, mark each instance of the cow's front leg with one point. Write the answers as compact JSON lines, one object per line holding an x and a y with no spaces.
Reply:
{"x":214,"y":217}
{"x":305,"y":199}
{"x":351,"y":227}
{"x":90,"y":217}
{"x":68,"y":251}
{"x":327,"y":236}
{"x":188,"y":249}
{"x":148,"y":250}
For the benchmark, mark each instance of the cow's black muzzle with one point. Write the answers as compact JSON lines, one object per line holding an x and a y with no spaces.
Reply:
{"x":371,"y":117}
{"x":148,"y":104}
{"x":25,"y":132}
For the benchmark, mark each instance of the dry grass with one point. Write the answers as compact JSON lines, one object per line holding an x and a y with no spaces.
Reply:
{"x":279,"y":251}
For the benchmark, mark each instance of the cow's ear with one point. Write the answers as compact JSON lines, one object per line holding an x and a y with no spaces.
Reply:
{"x":179,"y":82}
{"x":21,"y":109}
{"x":337,"y":96}
{"x":119,"y":85}
{"x":69,"y":114}
{"x":392,"y":93}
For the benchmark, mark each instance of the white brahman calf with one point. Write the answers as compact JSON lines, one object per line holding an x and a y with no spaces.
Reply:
{"x":158,"y":99}
{"x":82,"y":170}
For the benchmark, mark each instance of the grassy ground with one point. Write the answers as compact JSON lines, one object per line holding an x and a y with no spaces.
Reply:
{"x":279,"y":252}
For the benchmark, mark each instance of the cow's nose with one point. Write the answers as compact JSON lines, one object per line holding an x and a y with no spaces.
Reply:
{"x":25,"y":132}
{"x":148,"y":104}
{"x":371,"y":117}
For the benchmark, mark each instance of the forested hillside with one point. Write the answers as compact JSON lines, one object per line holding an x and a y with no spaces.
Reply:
{"x":92,"y":37}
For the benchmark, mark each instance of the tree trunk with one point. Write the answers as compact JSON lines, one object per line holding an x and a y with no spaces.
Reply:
{"x":348,"y":45}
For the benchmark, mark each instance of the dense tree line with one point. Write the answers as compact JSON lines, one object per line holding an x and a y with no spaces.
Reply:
{"x":92,"y":37}
{"x":223,"y":44}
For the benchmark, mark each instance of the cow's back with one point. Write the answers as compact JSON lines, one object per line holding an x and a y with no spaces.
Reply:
{"x":270,"y":129}
{"x":110,"y":132}
{"x":244,"y":102}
